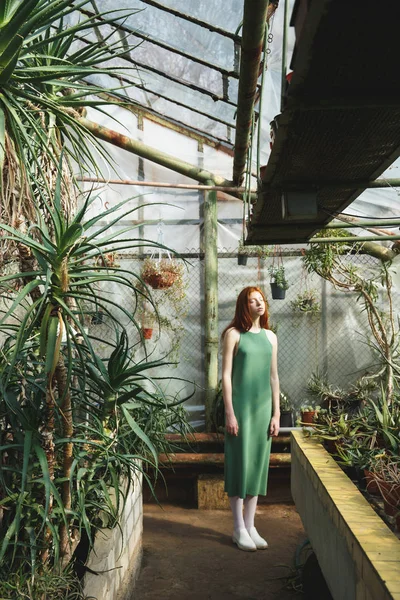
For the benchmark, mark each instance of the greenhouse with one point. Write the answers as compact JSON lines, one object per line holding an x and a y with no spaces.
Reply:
{"x":175,"y":178}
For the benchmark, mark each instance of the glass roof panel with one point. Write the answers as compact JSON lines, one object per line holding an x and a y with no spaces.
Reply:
{"x":173,"y":91}
{"x":179,"y":33}
{"x":172,"y":65}
{"x":216,"y":14}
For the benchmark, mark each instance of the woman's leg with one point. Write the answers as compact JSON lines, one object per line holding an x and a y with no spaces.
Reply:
{"x":250,"y":505}
{"x":241,"y":536}
{"x":237,"y":512}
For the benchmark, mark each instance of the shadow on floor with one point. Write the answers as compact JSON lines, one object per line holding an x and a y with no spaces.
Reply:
{"x":189,"y":555}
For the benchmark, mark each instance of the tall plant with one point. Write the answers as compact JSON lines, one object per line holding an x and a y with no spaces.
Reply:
{"x":71,"y":421}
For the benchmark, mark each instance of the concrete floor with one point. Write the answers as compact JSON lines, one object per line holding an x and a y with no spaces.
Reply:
{"x":189,"y":555}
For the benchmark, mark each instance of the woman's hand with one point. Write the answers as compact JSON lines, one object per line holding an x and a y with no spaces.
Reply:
{"x":231,"y":425}
{"x":274,"y":426}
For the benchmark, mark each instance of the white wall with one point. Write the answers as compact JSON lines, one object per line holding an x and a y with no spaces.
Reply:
{"x":117,"y":553}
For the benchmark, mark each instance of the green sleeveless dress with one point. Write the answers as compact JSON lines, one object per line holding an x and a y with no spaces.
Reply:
{"x":247,"y":454}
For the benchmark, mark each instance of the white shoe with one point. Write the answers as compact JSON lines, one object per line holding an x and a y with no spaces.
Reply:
{"x":259,"y":542}
{"x":243,"y":540}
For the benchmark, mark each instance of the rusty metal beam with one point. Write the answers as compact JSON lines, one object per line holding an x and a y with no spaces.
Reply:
{"x":254,"y":18}
{"x":153,"y":154}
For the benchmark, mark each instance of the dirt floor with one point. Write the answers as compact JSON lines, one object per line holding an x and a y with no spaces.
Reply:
{"x":189,"y":555}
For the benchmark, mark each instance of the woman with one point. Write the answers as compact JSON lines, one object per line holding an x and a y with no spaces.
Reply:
{"x":250,"y":387}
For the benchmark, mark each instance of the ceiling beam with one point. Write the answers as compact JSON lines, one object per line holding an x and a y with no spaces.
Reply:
{"x":254,"y":18}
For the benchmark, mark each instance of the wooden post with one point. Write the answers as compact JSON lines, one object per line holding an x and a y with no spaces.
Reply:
{"x":211,"y":303}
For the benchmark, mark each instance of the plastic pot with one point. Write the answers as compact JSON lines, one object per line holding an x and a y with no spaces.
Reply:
{"x":277,"y":292}
{"x":286,"y":419}
{"x":242,"y":259}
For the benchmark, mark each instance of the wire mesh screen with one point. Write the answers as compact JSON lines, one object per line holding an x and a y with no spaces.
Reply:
{"x":331,"y":341}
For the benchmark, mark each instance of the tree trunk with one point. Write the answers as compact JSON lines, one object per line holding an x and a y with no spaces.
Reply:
{"x":68,"y":429}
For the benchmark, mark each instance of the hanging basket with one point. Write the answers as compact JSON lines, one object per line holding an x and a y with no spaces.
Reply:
{"x":277,"y":292}
{"x":160,"y":274}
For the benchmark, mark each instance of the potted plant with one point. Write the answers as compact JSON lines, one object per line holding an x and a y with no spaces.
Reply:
{"x":164,"y":308}
{"x":278,"y":282}
{"x":244,"y":252}
{"x":161,"y":273}
{"x":386,"y":472}
{"x":306,"y":303}
{"x":286,"y":419}
{"x":308,"y":413}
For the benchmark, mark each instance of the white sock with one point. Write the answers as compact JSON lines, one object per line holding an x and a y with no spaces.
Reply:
{"x":250,"y":505}
{"x":237,"y":512}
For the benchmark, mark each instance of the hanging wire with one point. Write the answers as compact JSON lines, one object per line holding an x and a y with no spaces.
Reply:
{"x":160,"y":240}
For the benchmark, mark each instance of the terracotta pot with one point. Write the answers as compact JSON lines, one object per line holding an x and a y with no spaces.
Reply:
{"x":391,"y":496}
{"x":308,"y":416}
{"x":371,"y":485}
{"x":390,"y":510}
{"x":147,"y":333}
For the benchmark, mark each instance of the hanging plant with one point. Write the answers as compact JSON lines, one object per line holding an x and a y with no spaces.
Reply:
{"x":107,"y":259}
{"x":245,"y":251}
{"x":278,"y":281}
{"x":161,"y":273}
{"x":306,"y":303}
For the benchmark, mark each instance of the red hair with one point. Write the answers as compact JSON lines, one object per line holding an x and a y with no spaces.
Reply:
{"x":242,"y":320}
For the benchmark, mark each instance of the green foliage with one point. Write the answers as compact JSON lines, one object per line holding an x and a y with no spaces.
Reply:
{"x":51,"y":373}
{"x":43,"y":81}
{"x":278,"y":276}
{"x":285,"y":403}
{"x":261,"y":251}
{"x":306,"y":303}
{"x":47,"y":584}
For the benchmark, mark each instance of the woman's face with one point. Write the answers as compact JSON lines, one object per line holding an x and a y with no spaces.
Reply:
{"x":256,"y":305}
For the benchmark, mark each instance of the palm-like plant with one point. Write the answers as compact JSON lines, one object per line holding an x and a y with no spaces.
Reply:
{"x":71,"y":421}
{"x":44,"y":87}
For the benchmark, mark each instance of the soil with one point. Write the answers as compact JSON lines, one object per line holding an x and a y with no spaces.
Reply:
{"x":189,"y":555}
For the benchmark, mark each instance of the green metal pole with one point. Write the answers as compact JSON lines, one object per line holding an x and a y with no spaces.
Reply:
{"x":363,"y":223}
{"x":254,"y":17}
{"x":211,"y":303}
{"x":354,"y":238}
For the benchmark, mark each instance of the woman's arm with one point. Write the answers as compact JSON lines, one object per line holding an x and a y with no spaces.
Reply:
{"x":276,"y":411}
{"x":230,"y":340}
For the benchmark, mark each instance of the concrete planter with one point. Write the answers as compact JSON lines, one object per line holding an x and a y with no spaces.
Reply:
{"x":358,"y":554}
{"x":117,"y":553}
